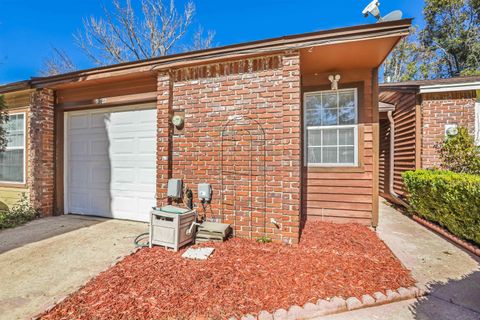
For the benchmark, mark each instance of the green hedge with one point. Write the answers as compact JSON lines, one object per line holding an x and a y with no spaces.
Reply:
{"x":450,"y":199}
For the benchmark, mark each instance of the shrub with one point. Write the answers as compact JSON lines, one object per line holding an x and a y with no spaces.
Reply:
{"x":264,"y":239}
{"x":459,"y":153}
{"x":450,"y":199}
{"x":20,"y":213}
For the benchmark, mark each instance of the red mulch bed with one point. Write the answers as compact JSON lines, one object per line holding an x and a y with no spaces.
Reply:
{"x":242,"y":276}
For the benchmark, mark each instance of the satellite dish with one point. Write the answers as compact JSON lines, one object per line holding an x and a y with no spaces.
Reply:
{"x":392,"y":16}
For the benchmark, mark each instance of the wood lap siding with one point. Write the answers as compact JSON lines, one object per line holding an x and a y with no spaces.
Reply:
{"x":405,"y":138}
{"x":18,"y":100}
{"x":342,"y":196}
{"x":384,"y":157}
{"x":345,"y":195}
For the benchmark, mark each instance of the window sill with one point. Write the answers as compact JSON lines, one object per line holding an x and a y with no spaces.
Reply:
{"x":13,"y":185}
{"x":358,"y":169}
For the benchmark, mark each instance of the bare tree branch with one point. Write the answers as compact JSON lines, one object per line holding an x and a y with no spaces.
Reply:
{"x":124,"y":35}
{"x":200,"y":41}
{"x":58,"y":62}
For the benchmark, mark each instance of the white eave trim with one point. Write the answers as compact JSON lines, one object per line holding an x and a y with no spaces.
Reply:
{"x":450,"y":87}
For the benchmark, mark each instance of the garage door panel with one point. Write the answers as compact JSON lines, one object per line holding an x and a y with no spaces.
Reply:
{"x":124,"y":176}
{"x":99,"y":147}
{"x":144,"y":204}
{"x":98,"y":120}
{"x":78,"y":177}
{"x":149,"y":116}
{"x":78,"y":121}
{"x":99,"y":205}
{"x":122,"y":118}
{"x":100,"y":175}
{"x":146,"y":145}
{"x":122,"y":146}
{"x":122,"y":201}
{"x":111,"y":161}
{"x":147,"y":176}
{"x":78,"y":148}
{"x":79,"y":201}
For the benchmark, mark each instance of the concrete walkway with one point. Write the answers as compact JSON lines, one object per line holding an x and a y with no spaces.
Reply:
{"x":46,"y":259}
{"x":452,"y":275}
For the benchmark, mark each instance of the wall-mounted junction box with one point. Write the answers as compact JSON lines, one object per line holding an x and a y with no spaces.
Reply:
{"x":175,"y":188}
{"x":204,"y":191}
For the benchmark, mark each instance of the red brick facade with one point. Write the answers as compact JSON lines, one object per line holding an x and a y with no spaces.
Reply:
{"x":41,"y":151}
{"x":441,"y":109}
{"x":242,"y":135}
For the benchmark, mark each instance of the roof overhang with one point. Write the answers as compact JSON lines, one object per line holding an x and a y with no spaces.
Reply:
{"x":15,"y":86}
{"x":467,"y":86}
{"x":390,"y":29}
{"x":365,"y":53}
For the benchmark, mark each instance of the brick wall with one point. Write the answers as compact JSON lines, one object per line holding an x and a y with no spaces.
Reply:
{"x":438,"y":110}
{"x":41,"y":151}
{"x":242,"y":135}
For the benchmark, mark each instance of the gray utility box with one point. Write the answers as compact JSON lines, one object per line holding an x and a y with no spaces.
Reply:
{"x":170,"y":226}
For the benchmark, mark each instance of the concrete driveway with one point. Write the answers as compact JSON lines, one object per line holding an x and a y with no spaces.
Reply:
{"x":47,"y":259}
{"x":451,"y":274}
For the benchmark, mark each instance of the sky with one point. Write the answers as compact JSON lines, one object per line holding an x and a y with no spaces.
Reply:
{"x":29,"y":28}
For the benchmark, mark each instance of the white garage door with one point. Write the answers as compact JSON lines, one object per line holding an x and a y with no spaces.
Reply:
{"x":110,"y":162}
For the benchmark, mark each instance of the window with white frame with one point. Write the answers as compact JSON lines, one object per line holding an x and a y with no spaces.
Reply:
{"x":331,"y":128}
{"x":12,"y":160}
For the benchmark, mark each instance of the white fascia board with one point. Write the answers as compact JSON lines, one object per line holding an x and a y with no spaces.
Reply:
{"x":450,"y":87}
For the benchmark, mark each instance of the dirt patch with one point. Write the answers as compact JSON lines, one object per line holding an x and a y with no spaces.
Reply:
{"x":242,"y":276}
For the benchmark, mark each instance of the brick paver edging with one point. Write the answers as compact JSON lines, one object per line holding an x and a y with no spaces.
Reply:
{"x":445,"y":233}
{"x":337,"y":305}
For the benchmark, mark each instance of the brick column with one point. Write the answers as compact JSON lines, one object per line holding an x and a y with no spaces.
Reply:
{"x":291,"y":161}
{"x":41,"y":151}
{"x":164,"y":135}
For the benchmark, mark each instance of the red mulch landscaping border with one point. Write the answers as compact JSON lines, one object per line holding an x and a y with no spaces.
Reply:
{"x":242,"y":276}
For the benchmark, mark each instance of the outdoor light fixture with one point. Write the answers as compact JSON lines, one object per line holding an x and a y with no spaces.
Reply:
{"x":334,"y":80}
{"x":177,"y":121}
{"x":451,"y":130}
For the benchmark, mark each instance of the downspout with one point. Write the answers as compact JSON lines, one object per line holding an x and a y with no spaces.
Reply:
{"x":391,"y":179}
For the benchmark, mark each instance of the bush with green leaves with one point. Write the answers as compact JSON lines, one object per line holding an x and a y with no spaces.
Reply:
{"x":450,"y":199}
{"x":459,"y":153}
{"x":18,"y":214}
{"x":264,"y":239}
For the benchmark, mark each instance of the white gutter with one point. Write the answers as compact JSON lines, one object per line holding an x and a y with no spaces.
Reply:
{"x":467,"y":86}
{"x":392,"y":162}
{"x":385,"y":107}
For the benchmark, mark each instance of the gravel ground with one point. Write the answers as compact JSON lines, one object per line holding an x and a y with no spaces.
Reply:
{"x":242,"y":276}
